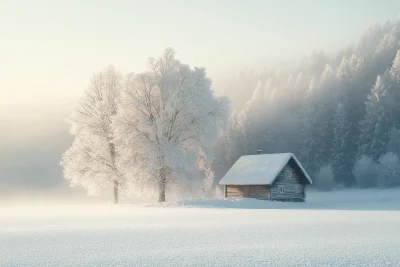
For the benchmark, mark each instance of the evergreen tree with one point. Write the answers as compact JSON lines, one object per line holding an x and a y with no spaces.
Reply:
{"x":341,"y":158}
{"x":374,"y":127}
{"x":395,"y":70}
{"x":312,"y":140}
{"x":393,"y":88}
{"x":394,"y":141}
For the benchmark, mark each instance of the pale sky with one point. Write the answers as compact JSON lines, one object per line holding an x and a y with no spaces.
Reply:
{"x":49,"y":49}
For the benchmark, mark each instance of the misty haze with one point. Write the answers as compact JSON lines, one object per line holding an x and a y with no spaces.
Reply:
{"x":187,"y":133}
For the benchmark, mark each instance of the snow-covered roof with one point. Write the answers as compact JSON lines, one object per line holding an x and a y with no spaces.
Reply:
{"x":259,"y":169}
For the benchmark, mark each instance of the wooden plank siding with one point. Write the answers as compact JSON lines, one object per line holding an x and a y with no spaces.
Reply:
{"x":290,"y":179}
{"x":252,"y":191}
{"x":259,"y":191}
{"x":237,"y":191}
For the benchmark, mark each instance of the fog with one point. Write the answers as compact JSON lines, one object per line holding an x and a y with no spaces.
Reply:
{"x":48,"y":57}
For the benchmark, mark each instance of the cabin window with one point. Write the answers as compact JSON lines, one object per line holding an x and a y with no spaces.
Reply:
{"x":281,"y":189}
{"x":298,"y":189}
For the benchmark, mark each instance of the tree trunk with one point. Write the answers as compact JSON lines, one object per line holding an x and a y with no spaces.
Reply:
{"x":161,"y":195}
{"x":161,"y":185}
{"x":115,"y":191}
{"x":112,"y":153}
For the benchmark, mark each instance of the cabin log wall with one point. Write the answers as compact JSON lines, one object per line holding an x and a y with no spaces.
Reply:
{"x":239,"y":191}
{"x":252,"y":191}
{"x":289,"y":185}
{"x":259,"y":191}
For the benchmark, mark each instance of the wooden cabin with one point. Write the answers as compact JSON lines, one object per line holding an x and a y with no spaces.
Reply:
{"x":267,"y":176}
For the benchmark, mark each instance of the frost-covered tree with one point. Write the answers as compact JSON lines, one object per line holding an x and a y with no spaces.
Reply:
{"x":387,"y":47}
{"x":324,"y":179}
{"x":395,"y":70}
{"x":91,"y":160}
{"x":388,"y":170}
{"x":393,"y":91}
{"x":341,"y":158}
{"x":365,"y":172}
{"x":369,"y":39}
{"x":374,"y":127}
{"x":167,"y":122}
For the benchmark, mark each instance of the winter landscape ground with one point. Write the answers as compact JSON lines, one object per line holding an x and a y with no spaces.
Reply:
{"x":341,"y":228}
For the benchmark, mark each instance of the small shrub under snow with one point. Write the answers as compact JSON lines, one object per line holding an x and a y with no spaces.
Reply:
{"x":365,"y":172}
{"x":388,"y":170}
{"x":325,"y":178}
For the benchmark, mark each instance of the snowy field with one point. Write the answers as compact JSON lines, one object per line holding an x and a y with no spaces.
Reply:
{"x":343,"y":228}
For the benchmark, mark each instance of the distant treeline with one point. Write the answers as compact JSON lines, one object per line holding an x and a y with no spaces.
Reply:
{"x":340,"y":113}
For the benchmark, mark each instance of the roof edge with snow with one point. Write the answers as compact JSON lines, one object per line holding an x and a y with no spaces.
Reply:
{"x":301,"y":168}
{"x":237,"y":175}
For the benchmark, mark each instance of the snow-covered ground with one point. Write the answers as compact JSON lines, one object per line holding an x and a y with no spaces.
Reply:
{"x":359,"y":228}
{"x":355,"y":199}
